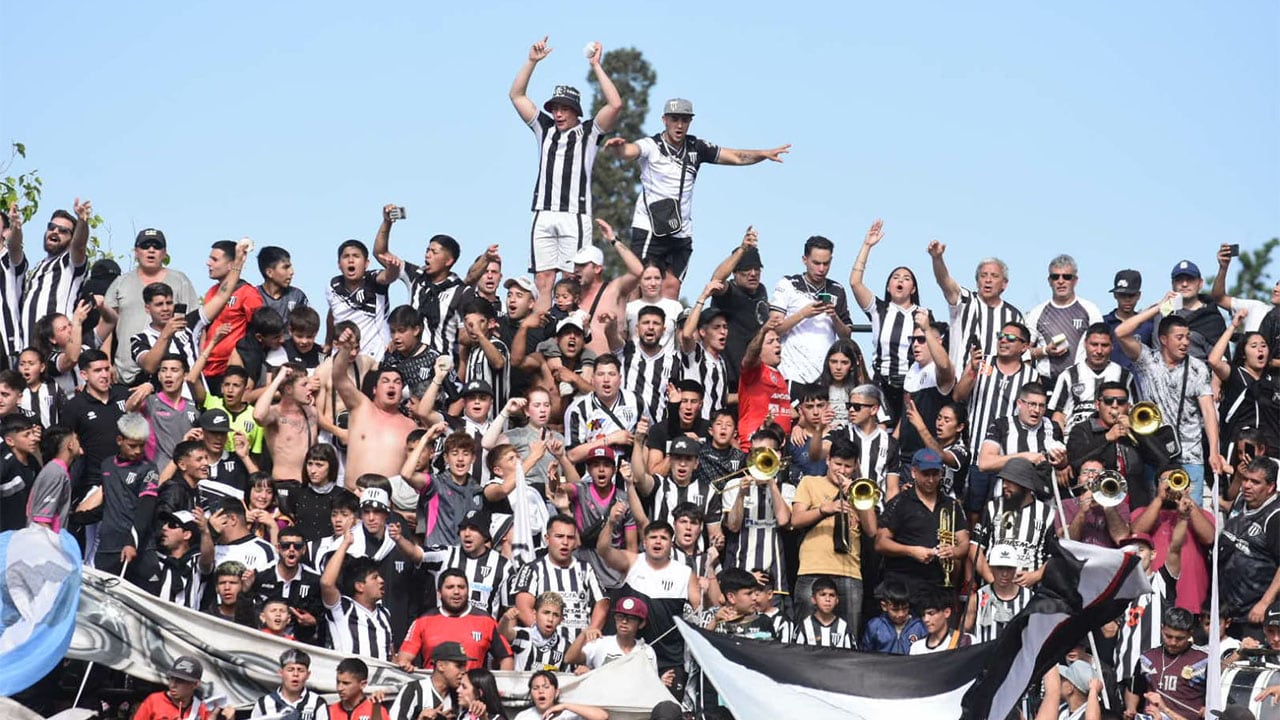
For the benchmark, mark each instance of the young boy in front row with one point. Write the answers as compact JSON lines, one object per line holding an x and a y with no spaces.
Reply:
{"x":543,"y":646}
{"x":353,"y":704}
{"x":824,"y":628}
{"x":895,"y":628}
{"x":935,"y":613}
{"x":344,"y":512}
{"x":738,"y":615}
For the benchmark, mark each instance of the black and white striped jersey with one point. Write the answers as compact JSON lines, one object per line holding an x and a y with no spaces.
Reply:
{"x":13,"y":280}
{"x":1026,"y":529}
{"x":367,"y":306}
{"x":757,"y":544}
{"x":438,"y":303}
{"x":576,"y":584}
{"x":878,"y":455}
{"x":891,"y":327}
{"x":564,"y":166}
{"x":534,"y":652}
{"x":357,"y":630}
{"x":414,"y":697}
{"x":173,"y":579}
{"x":994,"y":396}
{"x":181,"y":343}
{"x":701,"y":365}
{"x":1140,"y":624}
{"x":310,"y":706}
{"x":52,"y":287}
{"x":993,"y":612}
{"x":668,"y":494}
{"x":486,"y":574}
{"x":478,"y":367}
{"x":647,"y":375}
{"x":588,"y":418}
{"x":836,"y":635}
{"x":1075,"y":392}
{"x":970,"y":317}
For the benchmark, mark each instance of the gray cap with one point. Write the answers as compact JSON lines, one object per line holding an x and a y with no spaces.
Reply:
{"x":1077,"y":673}
{"x":186,"y":668}
{"x":1020,"y":471}
{"x":678,"y":106}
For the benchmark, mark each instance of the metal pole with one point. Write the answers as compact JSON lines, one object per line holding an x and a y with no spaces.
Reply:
{"x":89,"y":668}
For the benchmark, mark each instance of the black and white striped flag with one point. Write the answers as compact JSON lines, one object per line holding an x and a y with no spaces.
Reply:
{"x":1084,"y":587}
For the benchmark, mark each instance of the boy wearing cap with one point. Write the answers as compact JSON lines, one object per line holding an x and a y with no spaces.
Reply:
{"x":171,"y":570}
{"x":660,"y":494}
{"x":434,"y":697}
{"x":179,"y":701}
{"x":592,"y":650}
{"x":589,"y":501}
{"x":293,"y":694}
{"x":669,"y":164}
{"x":19,"y":465}
{"x":567,"y":149}
{"x":1127,"y":290}
{"x":230,"y":461}
{"x":996,"y":603}
{"x":1078,"y":691}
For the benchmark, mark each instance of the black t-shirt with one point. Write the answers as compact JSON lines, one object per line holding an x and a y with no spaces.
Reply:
{"x":94,"y":423}
{"x":521,"y":380}
{"x":912,"y":523}
{"x":660,"y":436}
{"x":746,"y":314}
{"x":417,"y":368}
{"x":15,"y":478}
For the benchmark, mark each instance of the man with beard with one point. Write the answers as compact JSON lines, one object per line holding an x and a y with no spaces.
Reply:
{"x":297,"y":585}
{"x":1170,"y":680}
{"x":455,"y":621}
{"x":375,"y":441}
{"x":1250,"y":548}
{"x":53,"y":285}
{"x":1076,"y":389}
{"x":647,"y":365}
{"x":702,"y":341}
{"x":484,"y":567}
{"x":174,"y":569}
{"x":1019,"y":519}
{"x":743,"y":299}
{"x":1027,"y":434}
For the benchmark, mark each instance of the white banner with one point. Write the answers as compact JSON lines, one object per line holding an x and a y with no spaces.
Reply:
{"x":122,"y":627}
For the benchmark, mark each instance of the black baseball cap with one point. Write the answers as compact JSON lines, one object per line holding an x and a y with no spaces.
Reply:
{"x":477,"y":387}
{"x":215,"y":420}
{"x":451,"y":651}
{"x":750,"y":260}
{"x":1127,"y":282}
{"x":480,"y":521}
{"x":685,"y":446}
{"x":708,"y":315}
{"x":150,"y":236}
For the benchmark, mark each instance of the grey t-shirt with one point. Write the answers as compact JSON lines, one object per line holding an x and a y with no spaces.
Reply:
{"x":125,"y":297}
{"x":50,"y":500}
{"x":521,"y":437}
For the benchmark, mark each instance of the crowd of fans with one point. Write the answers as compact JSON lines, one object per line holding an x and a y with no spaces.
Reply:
{"x":542,"y":480}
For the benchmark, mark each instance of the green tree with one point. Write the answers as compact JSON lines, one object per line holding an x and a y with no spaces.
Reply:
{"x":1252,"y":279}
{"x":614,"y":183}
{"x":26,"y":188}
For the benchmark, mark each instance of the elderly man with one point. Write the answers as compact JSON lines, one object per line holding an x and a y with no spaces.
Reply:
{"x":977,"y":317}
{"x":1058,"y":324}
{"x":150,"y":253}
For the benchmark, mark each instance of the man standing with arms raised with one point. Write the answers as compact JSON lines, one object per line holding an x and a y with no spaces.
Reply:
{"x":662,"y":226}
{"x":55,"y":282}
{"x":375,"y":443}
{"x":980,"y":314}
{"x":567,"y":151}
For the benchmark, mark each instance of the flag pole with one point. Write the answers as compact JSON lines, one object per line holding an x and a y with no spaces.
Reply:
{"x":89,"y":668}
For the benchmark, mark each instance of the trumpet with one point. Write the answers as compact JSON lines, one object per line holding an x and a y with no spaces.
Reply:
{"x":1179,"y":481}
{"x":762,"y":465}
{"x":947,"y":536}
{"x":1144,"y":419}
{"x":1109,"y":489}
{"x":864,"y":494}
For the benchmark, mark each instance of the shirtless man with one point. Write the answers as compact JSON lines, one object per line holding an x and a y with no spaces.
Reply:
{"x":292,"y":423}
{"x":601,"y":298}
{"x":333,"y":411}
{"x":376,"y":438}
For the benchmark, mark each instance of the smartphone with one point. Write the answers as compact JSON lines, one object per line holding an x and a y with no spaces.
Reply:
{"x":179,"y":308}
{"x":1234,"y":250}
{"x":397,"y":213}
{"x":824,"y":297}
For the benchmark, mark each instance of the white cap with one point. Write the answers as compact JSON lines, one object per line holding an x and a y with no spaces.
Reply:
{"x":589,"y":254}
{"x":524,"y":283}
{"x":1002,"y":556}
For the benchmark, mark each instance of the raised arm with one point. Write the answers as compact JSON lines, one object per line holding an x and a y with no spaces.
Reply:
{"x":950,"y":288}
{"x":264,"y":412}
{"x":615,"y":558}
{"x":622,"y":149}
{"x":861,"y":292}
{"x":751,"y":356}
{"x":1219,"y":290}
{"x":520,"y":86}
{"x":333,"y":570}
{"x":80,"y":236}
{"x":606,"y":117}
{"x":382,"y":239}
{"x":480,"y":264}
{"x":213,"y":308}
{"x":1124,"y":332}
{"x":722,"y":272}
{"x":341,"y":378}
{"x":689,"y":331}
{"x":13,"y":235}
{"x":729,"y":156}
{"x":623,"y":285}
{"x":944,"y":371}
{"x":1217,"y":359}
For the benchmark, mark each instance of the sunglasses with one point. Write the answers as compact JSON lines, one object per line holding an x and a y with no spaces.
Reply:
{"x":856,"y":406}
{"x":58,"y":228}
{"x":174,"y":525}
{"x":292,"y":546}
{"x":1062,"y":276}
{"x":1112,"y":400}
{"x":917,"y":339}
{"x":1011,"y":337}
{"x":150,"y":245}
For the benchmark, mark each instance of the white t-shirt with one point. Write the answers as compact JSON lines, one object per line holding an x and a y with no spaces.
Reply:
{"x":533,"y":714}
{"x":605,"y":649}
{"x":921,"y":646}
{"x":660,"y":178}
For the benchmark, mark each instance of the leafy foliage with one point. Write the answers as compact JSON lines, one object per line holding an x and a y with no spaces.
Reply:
{"x":26,"y":188}
{"x":615,"y":183}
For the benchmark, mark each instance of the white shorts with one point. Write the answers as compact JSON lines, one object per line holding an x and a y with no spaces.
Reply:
{"x":555,"y":238}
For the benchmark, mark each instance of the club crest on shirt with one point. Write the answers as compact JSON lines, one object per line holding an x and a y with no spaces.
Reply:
{"x":476,"y":636}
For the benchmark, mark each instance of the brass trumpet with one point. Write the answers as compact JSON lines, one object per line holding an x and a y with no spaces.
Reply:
{"x":1109,"y":489}
{"x":762,"y":465}
{"x":864,"y":494}
{"x":1144,"y":419}
{"x":947,"y":536}
{"x":1179,"y":481}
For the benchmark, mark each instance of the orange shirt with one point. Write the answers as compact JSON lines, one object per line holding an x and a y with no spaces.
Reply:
{"x":244,"y":300}
{"x":366,"y":709}
{"x":159,"y":706}
{"x":762,"y":392}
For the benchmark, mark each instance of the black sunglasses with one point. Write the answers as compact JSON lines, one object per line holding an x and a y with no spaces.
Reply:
{"x":150,"y":245}
{"x":293,"y":546}
{"x":58,"y":228}
{"x":917,"y":339}
{"x":1112,"y":400}
{"x":1062,"y":276}
{"x":855,"y":406}
{"x":1012,"y":337}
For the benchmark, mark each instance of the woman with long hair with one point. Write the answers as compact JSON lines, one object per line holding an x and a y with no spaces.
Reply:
{"x":890,"y":317}
{"x":842,"y":371}
{"x":478,"y":697}
{"x":1248,"y":372}
{"x":948,"y":439}
{"x":261,"y":510}
{"x":57,"y":338}
{"x":544,"y":689}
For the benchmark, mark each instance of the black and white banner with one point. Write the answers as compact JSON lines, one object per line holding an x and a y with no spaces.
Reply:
{"x":1084,"y":587}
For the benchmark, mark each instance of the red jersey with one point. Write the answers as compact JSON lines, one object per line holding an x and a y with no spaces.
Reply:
{"x":477,"y":633}
{"x":159,"y":706}
{"x":366,"y":709}
{"x":240,"y":306}
{"x":762,"y":392}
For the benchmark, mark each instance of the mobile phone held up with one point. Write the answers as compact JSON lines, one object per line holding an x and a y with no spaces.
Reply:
{"x":826,"y":298}
{"x":1234,"y":250}
{"x":397,"y":213}
{"x":179,"y":309}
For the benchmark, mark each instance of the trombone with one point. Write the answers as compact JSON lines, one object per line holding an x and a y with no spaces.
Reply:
{"x":1109,"y":489}
{"x":762,"y":465}
{"x":1144,"y":419}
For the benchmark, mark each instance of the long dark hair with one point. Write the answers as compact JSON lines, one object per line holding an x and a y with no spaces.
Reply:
{"x":857,"y":370}
{"x":1237,"y":358}
{"x":915,"y":285}
{"x":487,"y":691}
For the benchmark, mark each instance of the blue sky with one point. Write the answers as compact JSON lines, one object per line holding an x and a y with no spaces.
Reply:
{"x":1127,"y":134}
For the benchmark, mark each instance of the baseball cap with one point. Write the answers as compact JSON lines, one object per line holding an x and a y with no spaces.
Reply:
{"x":292,"y":657}
{"x":182,"y":517}
{"x":589,"y":254}
{"x":477,"y":387}
{"x":1127,"y":282}
{"x":478,"y":520}
{"x":685,"y":446}
{"x":709,"y":315}
{"x":187,"y":668}
{"x":150,"y":236}
{"x":1273,"y":614}
{"x":215,"y":420}
{"x":926,"y":459}
{"x":1002,"y":555}
{"x":449,"y":651}
{"x":1185,"y":267}
{"x":1138,"y":537}
{"x":571,"y":321}
{"x":1234,"y":712}
{"x":750,"y":260}
{"x":375,"y":497}
{"x":678,"y":106}
{"x":1077,"y":673}
{"x":524,"y":283}
{"x":1020,"y":471}
{"x":604,"y":452}
{"x":565,"y":95}
{"x":633,"y":606}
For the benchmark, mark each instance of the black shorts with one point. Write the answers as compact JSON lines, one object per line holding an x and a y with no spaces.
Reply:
{"x":672,"y":253}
